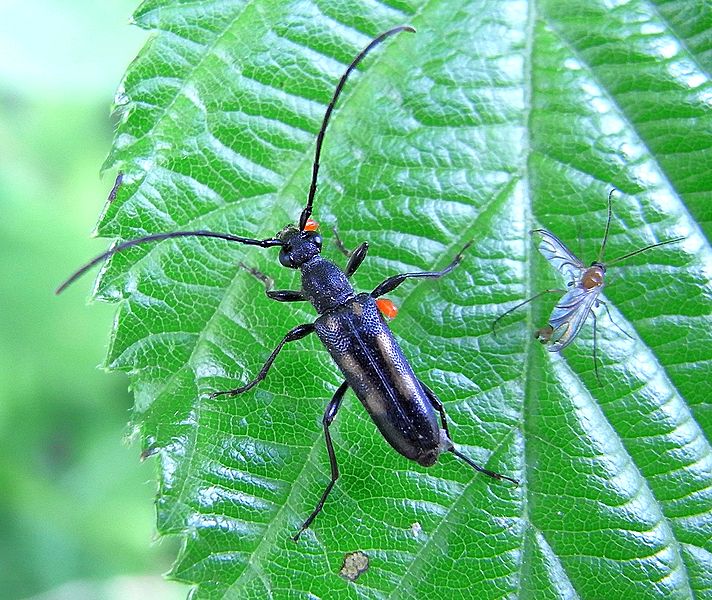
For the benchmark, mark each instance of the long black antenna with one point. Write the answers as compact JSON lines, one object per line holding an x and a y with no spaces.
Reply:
{"x":306,"y":213}
{"x":157,"y":237}
{"x":620,"y":258}
{"x":608,"y":226}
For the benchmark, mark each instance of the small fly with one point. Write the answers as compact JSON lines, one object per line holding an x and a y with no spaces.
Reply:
{"x":584,"y":284}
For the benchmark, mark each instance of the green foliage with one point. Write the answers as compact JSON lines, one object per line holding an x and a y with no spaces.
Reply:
{"x":75,"y":504}
{"x":494,"y":118}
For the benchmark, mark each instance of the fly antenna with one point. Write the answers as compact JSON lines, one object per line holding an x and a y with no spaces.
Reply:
{"x":620,"y":258}
{"x":608,"y":226}
{"x":157,"y":237}
{"x":306,"y":213}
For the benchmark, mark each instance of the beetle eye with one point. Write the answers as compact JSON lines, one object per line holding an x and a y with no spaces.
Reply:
{"x":285,"y":257}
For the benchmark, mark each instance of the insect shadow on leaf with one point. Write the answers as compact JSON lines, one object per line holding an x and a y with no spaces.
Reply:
{"x":584,"y":284}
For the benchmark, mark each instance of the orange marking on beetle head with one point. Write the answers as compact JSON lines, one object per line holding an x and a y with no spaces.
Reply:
{"x":311,"y":225}
{"x":387,"y":307}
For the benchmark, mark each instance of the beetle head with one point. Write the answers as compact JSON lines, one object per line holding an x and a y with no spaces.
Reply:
{"x":298,"y":247}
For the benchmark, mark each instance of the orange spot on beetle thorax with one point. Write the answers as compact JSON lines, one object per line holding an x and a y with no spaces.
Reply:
{"x":387,"y":307}
{"x":311,"y":225}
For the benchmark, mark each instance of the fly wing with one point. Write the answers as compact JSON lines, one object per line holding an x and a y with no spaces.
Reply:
{"x":569,"y":315}
{"x":560,"y":257}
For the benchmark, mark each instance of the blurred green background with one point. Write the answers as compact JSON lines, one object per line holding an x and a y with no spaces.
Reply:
{"x":76,"y":504}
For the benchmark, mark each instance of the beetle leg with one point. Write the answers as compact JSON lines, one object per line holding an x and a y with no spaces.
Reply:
{"x":437,"y":405}
{"x":329,"y":414}
{"x":393,"y":282}
{"x":340,"y":245}
{"x":355,"y":256}
{"x":268,"y":282}
{"x":297,"y":333}
{"x":286,"y":295}
{"x":477,"y":467}
{"x":356,"y":259}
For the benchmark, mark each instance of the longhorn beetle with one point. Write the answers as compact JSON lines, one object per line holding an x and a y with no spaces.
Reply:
{"x":350,"y":326}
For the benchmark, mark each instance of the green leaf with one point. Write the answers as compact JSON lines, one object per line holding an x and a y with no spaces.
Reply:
{"x":495,"y":118}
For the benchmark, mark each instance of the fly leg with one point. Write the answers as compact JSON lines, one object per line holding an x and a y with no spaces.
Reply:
{"x":268,"y":282}
{"x":329,"y":414}
{"x":437,"y":405}
{"x":595,"y":336}
{"x":595,"y":348}
{"x":297,"y":333}
{"x":393,"y":282}
{"x":610,"y":318}
{"x":527,"y":301}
